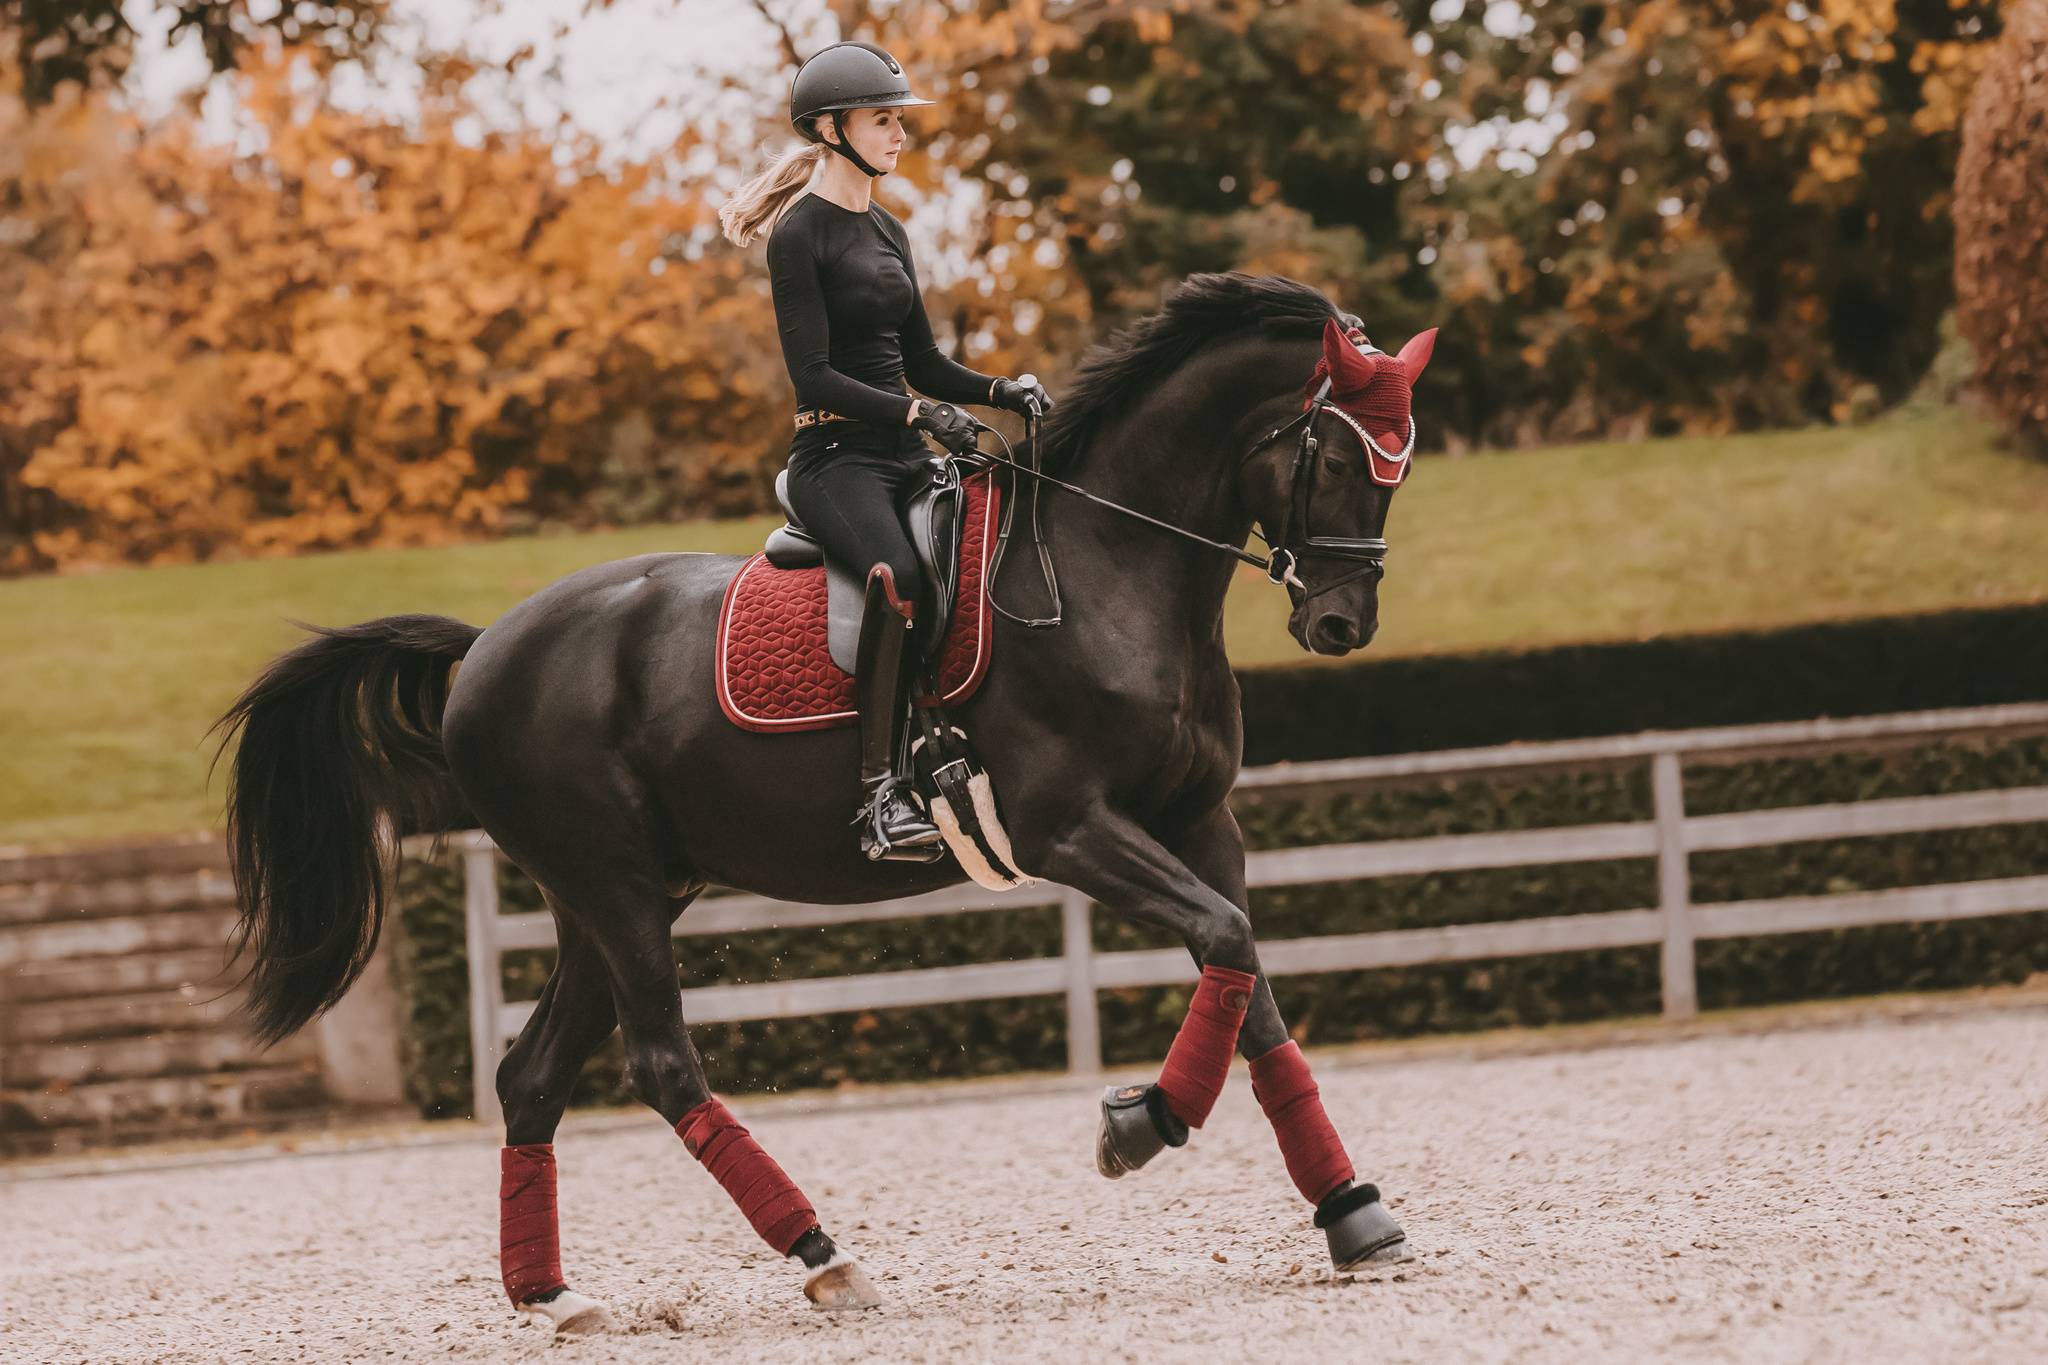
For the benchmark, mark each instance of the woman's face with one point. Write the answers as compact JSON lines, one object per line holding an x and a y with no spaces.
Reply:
{"x":877,"y":134}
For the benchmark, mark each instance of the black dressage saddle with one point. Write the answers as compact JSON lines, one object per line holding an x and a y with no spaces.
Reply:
{"x":930,"y":509}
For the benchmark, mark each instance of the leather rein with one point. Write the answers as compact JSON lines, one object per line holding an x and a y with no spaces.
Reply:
{"x":1284,"y":551}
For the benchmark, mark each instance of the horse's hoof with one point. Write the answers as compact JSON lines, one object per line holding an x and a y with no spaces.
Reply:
{"x":571,"y":1314}
{"x":1387,"y":1253}
{"x":840,"y":1284}
{"x":1136,"y":1125}
{"x":1360,"y":1229}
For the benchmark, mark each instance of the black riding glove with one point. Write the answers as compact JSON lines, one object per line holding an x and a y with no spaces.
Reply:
{"x":1022,"y":396}
{"x":951,"y":427}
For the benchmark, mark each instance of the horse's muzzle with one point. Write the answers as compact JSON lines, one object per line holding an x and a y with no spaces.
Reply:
{"x":1335,"y":633}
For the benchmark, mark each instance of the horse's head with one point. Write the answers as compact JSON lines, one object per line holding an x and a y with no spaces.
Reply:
{"x":1325,"y":498}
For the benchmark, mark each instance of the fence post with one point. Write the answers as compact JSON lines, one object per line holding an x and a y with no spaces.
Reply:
{"x":1084,"y":1026}
{"x":1674,"y":887}
{"x":486,"y":974}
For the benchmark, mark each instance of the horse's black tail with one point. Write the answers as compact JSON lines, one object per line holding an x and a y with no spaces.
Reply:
{"x":339,"y":736}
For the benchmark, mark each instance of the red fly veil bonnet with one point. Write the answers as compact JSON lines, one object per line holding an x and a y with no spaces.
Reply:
{"x":1372,"y":392}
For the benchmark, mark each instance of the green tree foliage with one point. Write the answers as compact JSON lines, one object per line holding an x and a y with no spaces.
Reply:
{"x":1147,"y":142}
{"x":1742,"y":220}
{"x":1652,"y":215}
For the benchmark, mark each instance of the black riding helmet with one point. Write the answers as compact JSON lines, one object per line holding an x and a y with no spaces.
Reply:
{"x":849,"y":75}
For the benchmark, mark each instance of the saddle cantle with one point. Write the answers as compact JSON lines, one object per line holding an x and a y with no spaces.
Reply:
{"x":790,"y":619}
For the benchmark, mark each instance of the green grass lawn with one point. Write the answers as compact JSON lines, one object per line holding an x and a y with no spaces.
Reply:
{"x":111,"y":679}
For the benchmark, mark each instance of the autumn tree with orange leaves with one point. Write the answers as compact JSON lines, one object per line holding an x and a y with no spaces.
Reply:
{"x":364,"y":335}
{"x":1629,"y":217}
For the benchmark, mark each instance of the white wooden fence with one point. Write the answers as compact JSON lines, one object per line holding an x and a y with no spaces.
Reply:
{"x":1669,"y":837}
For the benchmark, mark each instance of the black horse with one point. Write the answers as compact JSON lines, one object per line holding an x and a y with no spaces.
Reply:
{"x":582,"y":732}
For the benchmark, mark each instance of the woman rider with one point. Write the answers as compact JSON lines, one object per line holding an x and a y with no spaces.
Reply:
{"x":853,"y":330}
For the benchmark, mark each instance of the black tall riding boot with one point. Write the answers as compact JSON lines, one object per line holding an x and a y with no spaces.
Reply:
{"x":891,"y":824}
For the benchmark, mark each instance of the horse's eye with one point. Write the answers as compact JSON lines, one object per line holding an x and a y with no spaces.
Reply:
{"x":1335,"y":462}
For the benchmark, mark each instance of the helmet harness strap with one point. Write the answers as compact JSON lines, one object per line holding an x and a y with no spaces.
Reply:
{"x":845,"y":144}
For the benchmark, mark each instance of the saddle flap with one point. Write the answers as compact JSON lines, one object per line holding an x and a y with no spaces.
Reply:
{"x":931,"y":516}
{"x":933,"y":520}
{"x":845,"y":599}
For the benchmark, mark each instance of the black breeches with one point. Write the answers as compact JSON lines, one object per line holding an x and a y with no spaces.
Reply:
{"x":847,"y":487}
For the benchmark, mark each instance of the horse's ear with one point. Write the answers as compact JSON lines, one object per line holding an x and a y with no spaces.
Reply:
{"x":1415,"y":355}
{"x":1351,"y":369}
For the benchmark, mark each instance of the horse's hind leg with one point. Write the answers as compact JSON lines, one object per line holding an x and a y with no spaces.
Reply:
{"x":664,"y":1072}
{"x":570,"y":1020}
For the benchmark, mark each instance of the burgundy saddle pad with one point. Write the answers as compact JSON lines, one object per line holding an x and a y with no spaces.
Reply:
{"x":775,"y":670}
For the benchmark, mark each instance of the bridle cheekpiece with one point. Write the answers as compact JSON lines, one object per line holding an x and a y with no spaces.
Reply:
{"x":1294,"y":544}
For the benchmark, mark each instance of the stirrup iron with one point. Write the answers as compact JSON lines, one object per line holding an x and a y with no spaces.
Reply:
{"x":894,"y":829}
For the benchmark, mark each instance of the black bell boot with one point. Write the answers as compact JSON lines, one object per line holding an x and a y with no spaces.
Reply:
{"x":891,"y":824}
{"x":1360,"y":1229}
{"x":1136,"y":1126}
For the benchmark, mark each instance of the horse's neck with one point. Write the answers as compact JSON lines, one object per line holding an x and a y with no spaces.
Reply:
{"x":1175,"y":462}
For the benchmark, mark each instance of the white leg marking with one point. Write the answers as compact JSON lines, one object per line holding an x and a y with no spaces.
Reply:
{"x":840,"y":1284}
{"x":571,"y":1313}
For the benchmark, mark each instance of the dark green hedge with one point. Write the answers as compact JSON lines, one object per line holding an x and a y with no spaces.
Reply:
{"x":1845,"y":668}
{"x":979,"y":1039}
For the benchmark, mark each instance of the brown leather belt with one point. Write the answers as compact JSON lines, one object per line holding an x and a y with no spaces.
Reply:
{"x":812,"y":417}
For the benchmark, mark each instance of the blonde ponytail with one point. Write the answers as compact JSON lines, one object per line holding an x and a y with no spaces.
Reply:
{"x":753,"y":207}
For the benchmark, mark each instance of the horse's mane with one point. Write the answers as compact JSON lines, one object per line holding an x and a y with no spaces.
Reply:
{"x":1200,"y":309}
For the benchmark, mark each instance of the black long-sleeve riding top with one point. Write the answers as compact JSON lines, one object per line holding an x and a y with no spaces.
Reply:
{"x":852,"y":320}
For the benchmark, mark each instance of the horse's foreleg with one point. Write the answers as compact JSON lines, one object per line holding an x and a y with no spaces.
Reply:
{"x":1114,"y":860}
{"x":571,"y":1018}
{"x":664,"y":1072}
{"x":1359,"y":1227}
{"x":1117,"y":862}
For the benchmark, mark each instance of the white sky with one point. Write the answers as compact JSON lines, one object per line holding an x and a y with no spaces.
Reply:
{"x":629,"y":75}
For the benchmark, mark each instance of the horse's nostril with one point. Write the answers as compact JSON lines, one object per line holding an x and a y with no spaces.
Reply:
{"x":1338,"y":630}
